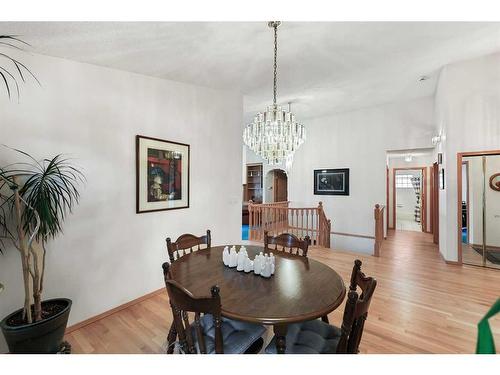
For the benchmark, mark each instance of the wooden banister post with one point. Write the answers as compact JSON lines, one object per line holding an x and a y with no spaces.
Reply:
{"x":320,"y":224}
{"x":329,"y":229}
{"x":250,"y":220}
{"x":320,"y":206}
{"x":376,"y":214}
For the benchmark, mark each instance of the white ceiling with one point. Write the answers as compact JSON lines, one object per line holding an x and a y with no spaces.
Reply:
{"x":323,"y":67}
{"x":415,"y":152}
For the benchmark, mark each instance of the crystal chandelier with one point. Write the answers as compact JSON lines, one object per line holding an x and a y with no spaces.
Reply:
{"x":275,"y":135}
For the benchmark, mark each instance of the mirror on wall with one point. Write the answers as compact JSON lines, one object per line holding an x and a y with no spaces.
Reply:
{"x":480,"y":234}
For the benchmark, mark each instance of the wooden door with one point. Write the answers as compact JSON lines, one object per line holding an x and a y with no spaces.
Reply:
{"x":280,"y":186}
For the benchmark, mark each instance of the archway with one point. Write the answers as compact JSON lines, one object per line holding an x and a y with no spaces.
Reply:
{"x":276,"y":186}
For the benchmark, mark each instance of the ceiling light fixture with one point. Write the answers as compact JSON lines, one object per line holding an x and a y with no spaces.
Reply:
{"x":275,"y":135}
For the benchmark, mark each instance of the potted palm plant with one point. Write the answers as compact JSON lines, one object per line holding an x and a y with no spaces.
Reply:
{"x":35,"y":197}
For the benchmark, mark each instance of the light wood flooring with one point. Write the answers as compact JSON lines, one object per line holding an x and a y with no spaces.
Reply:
{"x":404,"y":224}
{"x":421,"y":304}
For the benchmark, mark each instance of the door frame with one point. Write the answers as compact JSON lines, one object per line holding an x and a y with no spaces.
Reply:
{"x":435,"y":211}
{"x":460,"y":156}
{"x":423,"y":197}
{"x":387,"y":197}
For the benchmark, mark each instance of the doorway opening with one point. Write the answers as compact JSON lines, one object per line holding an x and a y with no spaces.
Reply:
{"x":409,"y":199}
{"x":478,"y":209}
{"x":276,"y":186}
{"x":411,"y":203}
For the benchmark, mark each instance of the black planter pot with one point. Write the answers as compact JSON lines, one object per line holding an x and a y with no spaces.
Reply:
{"x":41,"y":337}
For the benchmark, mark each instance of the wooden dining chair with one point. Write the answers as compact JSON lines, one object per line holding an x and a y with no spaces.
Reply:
{"x":287,"y":242}
{"x":210,"y":332}
{"x":187,"y":243}
{"x":318,"y":337}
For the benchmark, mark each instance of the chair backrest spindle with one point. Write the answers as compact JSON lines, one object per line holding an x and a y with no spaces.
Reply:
{"x":289,"y":243}
{"x":186,"y":244}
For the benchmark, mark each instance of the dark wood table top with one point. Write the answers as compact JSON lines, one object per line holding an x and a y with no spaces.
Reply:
{"x":300,"y":289}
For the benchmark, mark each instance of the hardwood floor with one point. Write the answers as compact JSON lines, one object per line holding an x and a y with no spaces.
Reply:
{"x":421,"y":304}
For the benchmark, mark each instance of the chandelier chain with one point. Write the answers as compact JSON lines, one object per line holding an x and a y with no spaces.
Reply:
{"x":275,"y":134}
{"x":275,"y":87}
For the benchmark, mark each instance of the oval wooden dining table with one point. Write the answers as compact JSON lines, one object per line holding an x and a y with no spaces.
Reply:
{"x":301,"y":288}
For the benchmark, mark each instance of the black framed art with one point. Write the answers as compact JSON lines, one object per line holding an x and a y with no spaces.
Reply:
{"x":331,"y":181}
{"x":162,"y":174}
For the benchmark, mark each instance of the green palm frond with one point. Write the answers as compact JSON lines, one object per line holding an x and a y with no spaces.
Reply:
{"x":51,"y":188}
{"x":48,"y":187}
{"x":12,"y":70}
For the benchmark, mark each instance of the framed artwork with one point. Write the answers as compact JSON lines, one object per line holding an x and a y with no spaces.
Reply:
{"x":162,"y":174}
{"x":331,"y":181}
{"x":495,"y":181}
{"x":441,"y":179}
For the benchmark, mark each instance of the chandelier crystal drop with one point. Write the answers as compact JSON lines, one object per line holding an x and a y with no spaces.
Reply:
{"x":275,"y":134}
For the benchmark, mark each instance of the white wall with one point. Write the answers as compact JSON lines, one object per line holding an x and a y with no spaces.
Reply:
{"x":108,"y":254}
{"x":358,"y":140}
{"x":251,"y":157}
{"x":468,"y":115}
{"x":269,"y":187}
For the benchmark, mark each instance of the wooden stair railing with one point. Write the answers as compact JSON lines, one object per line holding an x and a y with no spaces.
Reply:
{"x":379,"y":228}
{"x":279,"y":218}
{"x":325,"y":227}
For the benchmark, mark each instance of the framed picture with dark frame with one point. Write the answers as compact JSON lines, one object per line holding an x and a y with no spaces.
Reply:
{"x":331,"y":181}
{"x":162,"y":174}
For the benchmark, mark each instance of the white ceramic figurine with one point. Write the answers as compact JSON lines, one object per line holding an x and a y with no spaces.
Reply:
{"x":225,"y":256}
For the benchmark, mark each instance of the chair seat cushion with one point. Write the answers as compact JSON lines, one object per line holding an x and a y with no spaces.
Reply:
{"x":237,"y":336}
{"x":311,"y":337}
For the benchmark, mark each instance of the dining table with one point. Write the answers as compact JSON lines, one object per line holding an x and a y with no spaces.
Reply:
{"x":300,"y":289}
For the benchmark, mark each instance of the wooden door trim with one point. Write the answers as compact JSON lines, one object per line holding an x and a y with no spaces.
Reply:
{"x":460,"y":156}
{"x":435,"y":193}
{"x":431,"y":199}
{"x":387,"y":196}
{"x":423,"y":213}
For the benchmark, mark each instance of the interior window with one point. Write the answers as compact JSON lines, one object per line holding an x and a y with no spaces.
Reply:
{"x":404,"y":181}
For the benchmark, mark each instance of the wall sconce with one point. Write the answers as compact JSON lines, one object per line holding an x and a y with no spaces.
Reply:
{"x":436,"y":139}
